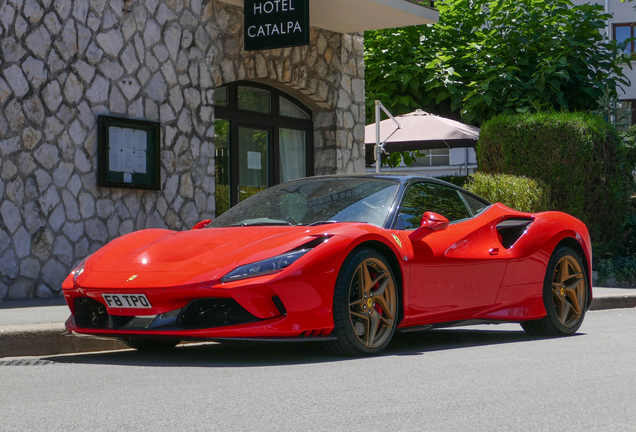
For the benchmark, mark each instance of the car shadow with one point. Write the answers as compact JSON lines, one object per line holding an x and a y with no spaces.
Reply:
{"x":255,"y":354}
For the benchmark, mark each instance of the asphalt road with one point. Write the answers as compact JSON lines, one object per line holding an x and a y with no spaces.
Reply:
{"x":480,"y":378}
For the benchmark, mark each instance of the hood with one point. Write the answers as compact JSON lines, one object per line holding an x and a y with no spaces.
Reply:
{"x":189,"y":256}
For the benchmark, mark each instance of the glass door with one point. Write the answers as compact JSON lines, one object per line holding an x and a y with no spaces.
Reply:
{"x":253,"y":161}
{"x":222,"y":166}
{"x":263,"y":137}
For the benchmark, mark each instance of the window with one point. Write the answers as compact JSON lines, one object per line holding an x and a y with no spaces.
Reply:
{"x":623,"y":32}
{"x":254,"y":99}
{"x":474,"y":204}
{"x":424,"y":197}
{"x":263,"y":137}
{"x":290,"y":109}
{"x":434,"y":157}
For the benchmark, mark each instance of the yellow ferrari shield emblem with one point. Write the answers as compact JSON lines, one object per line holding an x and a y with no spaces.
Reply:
{"x":397,"y":240}
{"x":132,"y":278}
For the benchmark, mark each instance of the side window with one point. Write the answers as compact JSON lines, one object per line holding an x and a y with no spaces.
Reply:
{"x":475,"y":205}
{"x":423,"y":197}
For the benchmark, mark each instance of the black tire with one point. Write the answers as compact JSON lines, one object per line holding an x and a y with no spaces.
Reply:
{"x":354,"y":300}
{"x":565,"y":307}
{"x":150,"y":344}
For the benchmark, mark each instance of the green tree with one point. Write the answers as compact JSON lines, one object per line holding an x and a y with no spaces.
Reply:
{"x":489,"y":57}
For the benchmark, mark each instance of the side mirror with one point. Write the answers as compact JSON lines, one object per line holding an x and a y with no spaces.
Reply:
{"x":202,"y":224}
{"x":430,"y":223}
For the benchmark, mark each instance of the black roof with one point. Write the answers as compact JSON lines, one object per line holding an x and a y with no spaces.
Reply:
{"x":403,"y":178}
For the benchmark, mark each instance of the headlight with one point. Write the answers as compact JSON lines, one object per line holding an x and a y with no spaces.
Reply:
{"x":260,"y":268}
{"x":79,"y":269}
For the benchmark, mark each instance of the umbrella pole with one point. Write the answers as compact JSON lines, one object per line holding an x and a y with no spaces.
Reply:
{"x":377,"y":136}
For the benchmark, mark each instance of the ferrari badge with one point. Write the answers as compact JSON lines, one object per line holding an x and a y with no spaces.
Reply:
{"x":132,"y":278}
{"x":397,"y":239}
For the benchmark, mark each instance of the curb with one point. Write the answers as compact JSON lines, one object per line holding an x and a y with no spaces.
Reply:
{"x":48,"y":339}
{"x":616,"y":301}
{"x":52,"y":339}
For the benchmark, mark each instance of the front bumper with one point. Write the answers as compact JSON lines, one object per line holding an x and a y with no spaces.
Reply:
{"x":289,"y":308}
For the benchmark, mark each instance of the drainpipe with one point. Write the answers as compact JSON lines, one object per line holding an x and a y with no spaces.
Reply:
{"x":609,"y":34}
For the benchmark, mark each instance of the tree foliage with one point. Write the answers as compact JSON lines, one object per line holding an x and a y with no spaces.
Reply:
{"x":489,"y":57}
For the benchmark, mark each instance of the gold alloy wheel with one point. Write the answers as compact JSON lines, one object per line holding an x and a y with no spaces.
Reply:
{"x":372,"y":303}
{"x":569,"y":291}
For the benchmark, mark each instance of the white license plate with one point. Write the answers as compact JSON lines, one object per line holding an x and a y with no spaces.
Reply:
{"x":127,"y":301}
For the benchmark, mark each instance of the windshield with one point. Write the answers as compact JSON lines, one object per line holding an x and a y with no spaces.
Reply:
{"x":313,"y":201}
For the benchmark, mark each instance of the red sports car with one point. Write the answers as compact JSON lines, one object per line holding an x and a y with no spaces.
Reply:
{"x":345,"y":259}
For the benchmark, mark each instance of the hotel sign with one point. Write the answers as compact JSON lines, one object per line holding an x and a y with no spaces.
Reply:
{"x":273,"y":24}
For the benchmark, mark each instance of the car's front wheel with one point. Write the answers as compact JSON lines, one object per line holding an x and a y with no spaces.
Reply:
{"x":366,"y":304}
{"x":565,"y":292}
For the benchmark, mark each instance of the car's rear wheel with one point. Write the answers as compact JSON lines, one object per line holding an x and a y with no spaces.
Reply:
{"x":366,"y":304}
{"x":150,"y":344}
{"x":565,"y":292}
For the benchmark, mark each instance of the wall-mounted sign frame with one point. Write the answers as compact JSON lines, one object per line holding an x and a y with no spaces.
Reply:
{"x":271,"y":24}
{"x":128,"y":153}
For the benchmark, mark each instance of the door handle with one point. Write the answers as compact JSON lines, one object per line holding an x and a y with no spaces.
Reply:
{"x":494,"y":251}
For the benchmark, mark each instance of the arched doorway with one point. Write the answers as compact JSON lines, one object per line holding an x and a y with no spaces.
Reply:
{"x":263,"y":136}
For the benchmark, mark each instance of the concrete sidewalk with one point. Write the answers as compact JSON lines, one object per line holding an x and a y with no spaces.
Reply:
{"x":35,"y":327}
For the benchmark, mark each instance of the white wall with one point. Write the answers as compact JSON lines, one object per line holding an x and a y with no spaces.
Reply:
{"x":621,"y":13}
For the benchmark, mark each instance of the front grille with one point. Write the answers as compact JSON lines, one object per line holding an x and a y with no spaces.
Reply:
{"x":213,"y":312}
{"x":90,"y":313}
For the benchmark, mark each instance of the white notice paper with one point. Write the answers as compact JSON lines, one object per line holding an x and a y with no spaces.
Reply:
{"x":141,"y":140}
{"x":254,"y":160}
{"x":115,"y":140}
{"x":114,"y":160}
{"x":140,"y":162}
{"x":127,"y":177}
{"x":127,"y":163}
{"x":128,"y":138}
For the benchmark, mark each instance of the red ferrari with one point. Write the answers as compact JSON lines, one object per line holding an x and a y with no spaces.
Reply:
{"x":345,"y":259}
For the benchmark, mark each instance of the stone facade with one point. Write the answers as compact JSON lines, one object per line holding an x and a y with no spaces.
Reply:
{"x":63,"y":62}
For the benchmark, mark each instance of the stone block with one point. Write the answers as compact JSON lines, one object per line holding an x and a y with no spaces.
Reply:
{"x":96,"y":230}
{"x":42,"y":243}
{"x":21,"y":288}
{"x":74,"y":231}
{"x":54,"y":273}
{"x":111,"y":42}
{"x":63,"y":250}
{"x":73,"y":88}
{"x":10,"y":216}
{"x":30,"y":268}
{"x":16,"y":80}
{"x":22,"y":243}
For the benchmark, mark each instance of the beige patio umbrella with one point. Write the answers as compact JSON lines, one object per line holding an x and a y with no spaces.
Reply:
{"x":421,"y":131}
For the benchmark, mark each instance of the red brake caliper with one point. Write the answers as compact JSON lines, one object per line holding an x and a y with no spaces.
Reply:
{"x":375,"y":287}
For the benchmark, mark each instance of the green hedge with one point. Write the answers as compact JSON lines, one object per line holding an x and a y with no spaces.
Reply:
{"x":579,"y":156}
{"x":517,"y":192}
{"x":457,"y":180}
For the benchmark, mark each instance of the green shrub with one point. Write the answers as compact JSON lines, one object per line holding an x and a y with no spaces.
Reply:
{"x":519,"y":193}
{"x":579,"y":156}
{"x":629,"y":142}
{"x":457,"y":180}
{"x":620,"y":268}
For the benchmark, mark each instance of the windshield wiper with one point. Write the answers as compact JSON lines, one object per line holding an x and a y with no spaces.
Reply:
{"x":322,"y":223}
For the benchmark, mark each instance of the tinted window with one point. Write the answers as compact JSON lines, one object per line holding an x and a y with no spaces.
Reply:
{"x":475,"y":205}
{"x":289,"y":109}
{"x":424,"y":197}
{"x":254,"y":99}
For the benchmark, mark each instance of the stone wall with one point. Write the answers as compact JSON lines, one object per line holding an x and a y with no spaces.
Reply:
{"x":63,"y":62}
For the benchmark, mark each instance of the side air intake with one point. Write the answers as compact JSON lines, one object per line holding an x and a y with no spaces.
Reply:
{"x":512,"y":229}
